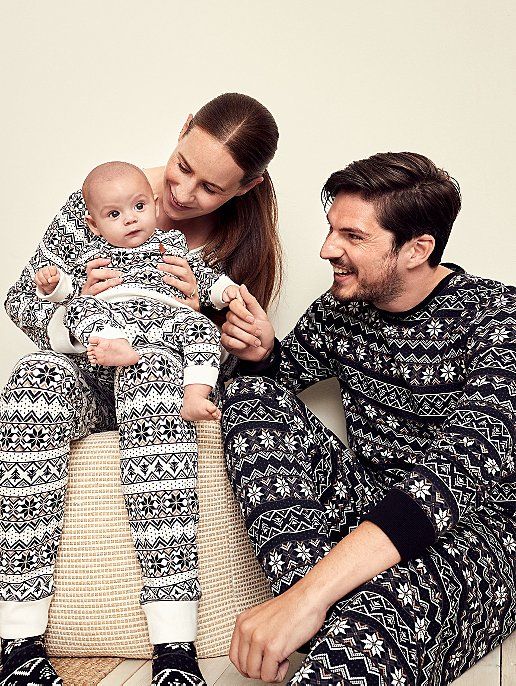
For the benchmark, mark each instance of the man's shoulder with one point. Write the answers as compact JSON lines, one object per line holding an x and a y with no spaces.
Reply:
{"x":484,"y":295}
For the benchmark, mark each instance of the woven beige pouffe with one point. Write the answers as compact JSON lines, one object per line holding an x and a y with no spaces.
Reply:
{"x":95,"y":610}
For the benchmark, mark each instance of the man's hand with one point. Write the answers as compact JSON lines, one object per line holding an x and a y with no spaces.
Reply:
{"x":47,"y":279}
{"x":267,"y":634}
{"x":247,"y":331}
{"x":98,"y":278}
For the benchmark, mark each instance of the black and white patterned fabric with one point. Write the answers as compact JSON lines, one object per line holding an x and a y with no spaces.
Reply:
{"x":69,"y":244}
{"x":429,"y":397}
{"x":51,"y":399}
{"x":25,"y":663}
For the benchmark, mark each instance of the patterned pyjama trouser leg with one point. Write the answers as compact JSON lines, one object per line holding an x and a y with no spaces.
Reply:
{"x":301,"y":490}
{"x":143,"y":321}
{"x":46,"y":403}
{"x":49,"y":401}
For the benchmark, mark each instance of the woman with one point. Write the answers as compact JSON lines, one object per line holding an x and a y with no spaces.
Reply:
{"x":215,"y":188}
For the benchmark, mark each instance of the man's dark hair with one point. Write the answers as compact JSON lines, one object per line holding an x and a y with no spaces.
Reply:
{"x":410,"y":194}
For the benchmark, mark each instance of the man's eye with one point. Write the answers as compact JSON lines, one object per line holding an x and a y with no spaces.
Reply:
{"x":182,"y":167}
{"x":114,"y":214}
{"x":139,"y":206}
{"x":208,"y":189}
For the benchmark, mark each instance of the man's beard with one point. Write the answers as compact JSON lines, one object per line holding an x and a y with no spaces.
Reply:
{"x":387,"y":287}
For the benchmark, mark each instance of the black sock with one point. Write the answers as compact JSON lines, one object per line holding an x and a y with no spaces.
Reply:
{"x":175,"y":664}
{"x":25,"y":661}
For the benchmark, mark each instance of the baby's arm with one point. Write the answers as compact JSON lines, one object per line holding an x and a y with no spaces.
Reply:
{"x":47,"y":279}
{"x":232,"y":292}
{"x":53,"y":285}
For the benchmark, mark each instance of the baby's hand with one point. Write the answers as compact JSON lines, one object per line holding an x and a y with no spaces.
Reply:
{"x":47,"y":279}
{"x":232,"y":293}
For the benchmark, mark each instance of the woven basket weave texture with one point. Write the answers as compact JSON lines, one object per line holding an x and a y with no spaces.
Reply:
{"x":95,"y":610}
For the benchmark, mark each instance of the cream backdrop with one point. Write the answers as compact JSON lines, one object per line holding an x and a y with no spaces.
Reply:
{"x":85,"y":82}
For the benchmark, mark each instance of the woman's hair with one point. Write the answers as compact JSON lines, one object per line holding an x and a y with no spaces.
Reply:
{"x":245,"y":240}
{"x":410,"y":194}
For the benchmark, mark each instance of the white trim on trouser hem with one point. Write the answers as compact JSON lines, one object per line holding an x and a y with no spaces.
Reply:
{"x":201,"y":373}
{"x":171,"y":621}
{"x":23,"y":619}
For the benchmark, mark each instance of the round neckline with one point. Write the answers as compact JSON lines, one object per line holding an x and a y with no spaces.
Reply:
{"x":437,"y":290}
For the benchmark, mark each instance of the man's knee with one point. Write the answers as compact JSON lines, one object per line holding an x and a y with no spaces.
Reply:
{"x":245,"y":387}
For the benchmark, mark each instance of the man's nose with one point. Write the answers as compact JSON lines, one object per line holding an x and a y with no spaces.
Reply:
{"x":330,"y":250}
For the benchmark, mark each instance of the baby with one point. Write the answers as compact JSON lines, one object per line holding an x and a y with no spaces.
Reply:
{"x":142,"y":309}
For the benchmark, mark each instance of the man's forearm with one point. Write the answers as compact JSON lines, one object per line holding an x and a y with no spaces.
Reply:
{"x":360,"y":556}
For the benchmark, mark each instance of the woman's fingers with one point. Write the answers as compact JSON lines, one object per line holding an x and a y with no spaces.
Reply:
{"x":97,"y":262}
{"x":184,"y":286}
{"x":102,"y":274}
{"x":101,"y":286}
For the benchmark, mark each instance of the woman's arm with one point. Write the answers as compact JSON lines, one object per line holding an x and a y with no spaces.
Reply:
{"x":63,"y":241}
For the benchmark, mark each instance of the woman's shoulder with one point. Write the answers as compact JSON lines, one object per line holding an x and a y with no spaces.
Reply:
{"x":155,"y":178}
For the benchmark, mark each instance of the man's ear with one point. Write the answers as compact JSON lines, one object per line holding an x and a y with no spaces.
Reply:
{"x":92,"y":224}
{"x":247,"y":187}
{"x":186,"y":126}
{"x":420,"y":250}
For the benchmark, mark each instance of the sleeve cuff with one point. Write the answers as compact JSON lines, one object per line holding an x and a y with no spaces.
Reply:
{"x":62,"y":291}
{"x":218,"y":289}
{"x":404,"y":522}
{"x":59,"y":336}
{"x":268,"y":367}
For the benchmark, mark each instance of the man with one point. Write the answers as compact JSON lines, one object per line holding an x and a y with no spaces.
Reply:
{"x":393,"y":560}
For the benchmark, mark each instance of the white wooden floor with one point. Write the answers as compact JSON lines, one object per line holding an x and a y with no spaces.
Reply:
{"x":496,"y":669}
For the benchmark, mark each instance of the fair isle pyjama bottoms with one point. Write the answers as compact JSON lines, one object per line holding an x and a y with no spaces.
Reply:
{"x":301,"y":490}
{"x":50,"y":400}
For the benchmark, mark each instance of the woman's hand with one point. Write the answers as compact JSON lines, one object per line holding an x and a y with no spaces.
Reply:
{"x":179,"y":274}
{"x":99,"y":278}
{"x":247,"y":332}
{"x":265,"y":635}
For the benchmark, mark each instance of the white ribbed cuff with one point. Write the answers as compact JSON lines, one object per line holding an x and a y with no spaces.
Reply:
{"x":63,"y":289}
{"x":218,"y":289}
{"x":201,"y":373}
{"x":110,"y":332}
{"x":23,"y":619}
{"x":172,"y":621}
{"x":59,"y":336}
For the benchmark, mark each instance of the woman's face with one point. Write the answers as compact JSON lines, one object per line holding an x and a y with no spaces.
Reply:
{"x":200,"y":176}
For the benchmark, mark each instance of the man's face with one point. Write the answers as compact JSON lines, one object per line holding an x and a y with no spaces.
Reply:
{"x":123,"y":210}
{"x":365,"y":267}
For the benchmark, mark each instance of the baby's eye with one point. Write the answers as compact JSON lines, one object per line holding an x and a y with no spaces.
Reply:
{"x":139,"y":206}
{"x":114,"y":214}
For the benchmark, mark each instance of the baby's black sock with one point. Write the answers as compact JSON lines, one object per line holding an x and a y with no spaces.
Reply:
{"x":175,"y":664}
{"x":25,"y":661}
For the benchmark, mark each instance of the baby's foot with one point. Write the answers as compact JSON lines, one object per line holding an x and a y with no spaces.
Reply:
{"x":111,"y":352}
{"x":196,"y":408}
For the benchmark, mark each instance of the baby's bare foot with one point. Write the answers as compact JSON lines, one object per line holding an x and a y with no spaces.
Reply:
{"x":111,"y":352}
{"x":197,"y":408}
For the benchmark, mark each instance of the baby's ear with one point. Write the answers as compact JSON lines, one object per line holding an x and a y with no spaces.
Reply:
{"x":91,"y":223}
{"x":156,"y":203}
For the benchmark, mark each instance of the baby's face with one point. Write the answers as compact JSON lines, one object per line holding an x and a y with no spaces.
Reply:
{"x":123,"y":211}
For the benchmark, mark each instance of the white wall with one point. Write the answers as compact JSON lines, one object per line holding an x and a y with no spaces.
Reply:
{"x":84,"y":82}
